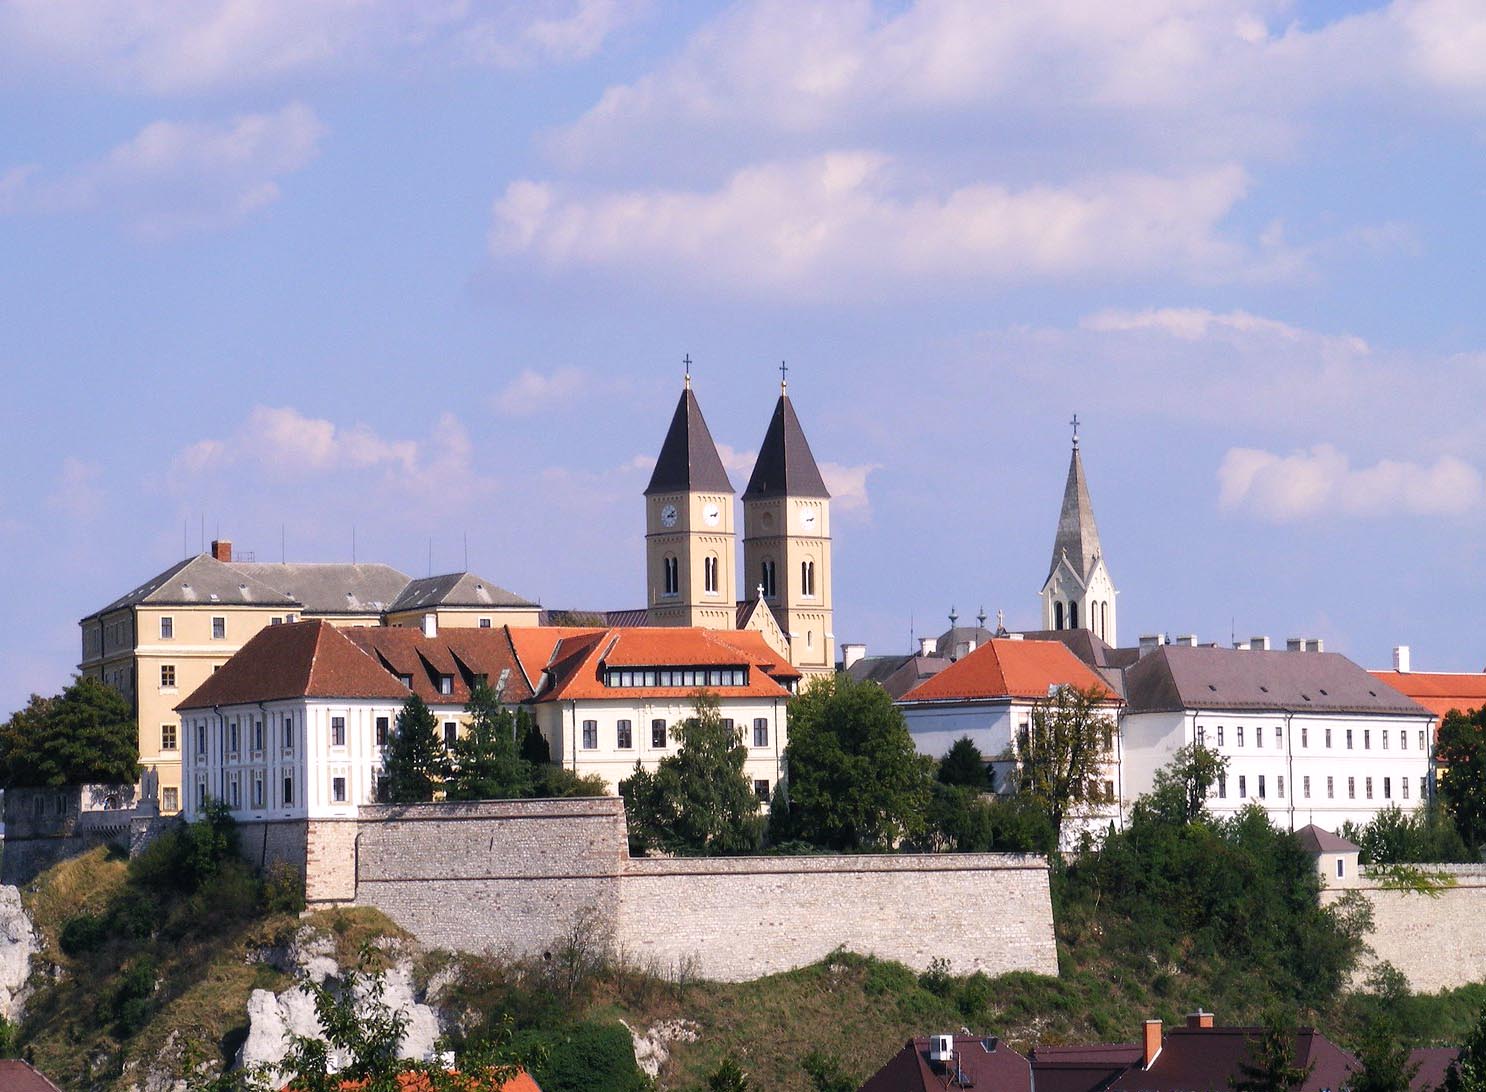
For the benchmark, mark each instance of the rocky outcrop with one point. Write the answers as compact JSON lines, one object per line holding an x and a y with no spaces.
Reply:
{"x":17,"y":946}
{"x":652,"y":1049}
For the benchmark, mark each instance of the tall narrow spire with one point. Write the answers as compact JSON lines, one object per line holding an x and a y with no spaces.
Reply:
{"x":785,"y":465}
{"x":688,"y":461}
{"x":1078,"y":535}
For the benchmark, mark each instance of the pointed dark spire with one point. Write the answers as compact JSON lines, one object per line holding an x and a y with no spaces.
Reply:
{"x":1078,"y":535}
{"x":688,"y":461}
{"x":785,"y":466}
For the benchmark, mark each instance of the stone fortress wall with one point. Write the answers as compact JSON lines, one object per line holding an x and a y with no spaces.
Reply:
{"x":514,"y":876}
{"x":1438,"y":941}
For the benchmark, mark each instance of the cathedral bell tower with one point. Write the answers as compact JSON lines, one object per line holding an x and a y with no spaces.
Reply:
{"x":1078,"y":592}
{"x":787,"y":540}
{"x":690,"y":546}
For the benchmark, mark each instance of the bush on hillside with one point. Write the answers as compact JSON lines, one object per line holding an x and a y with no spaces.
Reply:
{"x":1426,"y":836}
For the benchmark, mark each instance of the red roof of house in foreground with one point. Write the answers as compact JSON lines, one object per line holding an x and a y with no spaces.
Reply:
{"x":298,"y":660}
{"x":1005,"y":668}
{"x":18,"y":1076}
{"x":575,"y":663}
{"x":983,"y":1062}
{"x":418,"y":1082}
{"x":1439,"y":691}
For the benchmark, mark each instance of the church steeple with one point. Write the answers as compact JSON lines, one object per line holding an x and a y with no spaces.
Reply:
{"x":787,"y":539}
{"x":1078,"y":592}
{"x":690,"y":546}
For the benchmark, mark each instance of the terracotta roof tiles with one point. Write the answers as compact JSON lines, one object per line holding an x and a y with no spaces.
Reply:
{"x":1005,"y":668}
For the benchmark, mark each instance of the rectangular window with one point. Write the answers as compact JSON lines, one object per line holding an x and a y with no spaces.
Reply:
{"x":257,"y":735}
{"x":484,"y":623}
{"x":219,"y":628}
{"x":1243,"y":788}
{"x":236,"y":794}
{"x":200,"y":795}
{"x":761,"y":790}
{"x":657,"y":733}
{"x":1387,"y":788}
{"x":1261,"y":786}
{"x":1367,"y":739}
{"x":1341,"y":868}
{"x":1279,"y":786}
{"x":1421,"y":739}
{"x":167,"y":676}
{"x":1279,"y":736}
{"x":1385,"y":739}
{"x":1305,"y":786}
{"x":1109,"y":792}
{"x":590,"y":734}
{"x":338,"y":789}
{"x":200,"y":741}
{"x":1222,"y":787}
{"x":1351,"y":788}
{"x":167,"y":737}
{"x":167,"y":628}
{"x":1368,"y":787}
{"x":624,"y":736}
{"x":337,"y":731}
{"x":232,"y":738}
{"x":288,"y":791}
{"x":1305,"y":737}
{"x":1109,"y":737}
{"x":1201,"y":736}
{"x":1403,"y":740}
{"x":1330,"y":788}
{"x":1349,"y":739}
{"x":1238,"y":734}
{"x":1220,"y":735}
{"x":446,"y":684}
{"x":170,"y":799}
{"x":451,"y":732}
{"x":760,"y":732}
{"x":1403,"y":783}
{"x":1328,"y":739}
{"x":258,"y":791}
{"x":383,"y":723}
{"x":288,"y":731}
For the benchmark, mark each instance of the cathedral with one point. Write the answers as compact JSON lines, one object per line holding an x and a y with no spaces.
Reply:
{"x":691,"y":558}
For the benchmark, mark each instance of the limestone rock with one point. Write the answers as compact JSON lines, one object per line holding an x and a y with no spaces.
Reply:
{"x":652,"y":1050}
{"x":17,"y":946}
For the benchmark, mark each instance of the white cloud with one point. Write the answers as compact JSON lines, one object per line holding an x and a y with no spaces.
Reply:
{"x":77,"y":494}
{"x":531,"y":391}
{"x":848,"y":222}
{"x":285,"y":444}
{"x":172,"y":46}
{"x":738,"y":464}
{"x":1196,"y":323}
{"x":175,"y":176}
{"x":848,"y":486}
{"x":1321,"y":483}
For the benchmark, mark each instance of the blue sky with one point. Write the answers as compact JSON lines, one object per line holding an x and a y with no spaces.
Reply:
{"x":428,"y":271}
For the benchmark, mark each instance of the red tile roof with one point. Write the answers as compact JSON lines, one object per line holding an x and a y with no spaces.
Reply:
{"x":459,"y":652}
{"x":1000,"y":1069}
{"x":575,"y":663}
{"x":1438,"y":691}
{"x":1207,"y":1057}
{"x":299,"y":660}
{"x":17,"y":1076}
{"x":1005,"y":668}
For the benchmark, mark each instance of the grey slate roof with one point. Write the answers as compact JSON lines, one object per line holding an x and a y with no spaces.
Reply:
{"x":1078,"y":535}
{"x":1176,"y":677}
{"x":455,"y":590}
{"x":951,"y":638}
{"x":331,"y":588}
{"x":897,"y":674}
{"x":201,"y":580}
{"x":688,"y":461}
{"x":601,"y":619}
{"x":785,"y":466}
{"x":1313,"y":839}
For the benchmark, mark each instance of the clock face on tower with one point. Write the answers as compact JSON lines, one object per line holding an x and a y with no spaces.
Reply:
{"x":711,"y":514}
{"x":807,"y":518}
{"x":668,"y":515}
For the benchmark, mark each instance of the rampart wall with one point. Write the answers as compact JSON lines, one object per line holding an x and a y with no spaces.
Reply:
{"x":514,"y":876}
{"x":1438,"y":941}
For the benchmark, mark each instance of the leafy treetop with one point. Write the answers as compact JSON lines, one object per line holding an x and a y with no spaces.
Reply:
{"x":84,"y":736}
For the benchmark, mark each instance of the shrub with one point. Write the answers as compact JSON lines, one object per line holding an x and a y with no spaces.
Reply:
{"x":83,"y":933}
{"x":583,"y":1056}
{"x":283,"y":889}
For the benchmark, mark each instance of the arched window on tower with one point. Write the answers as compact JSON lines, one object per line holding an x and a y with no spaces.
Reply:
{"x":1072,"y":615}
{"x":1104,"y":619}
{"x":1057,"y":616}
{"x":672,"y":575}
{"x":807,"y":578}
{"x":766,"y":578}
{"x":709,"y":575}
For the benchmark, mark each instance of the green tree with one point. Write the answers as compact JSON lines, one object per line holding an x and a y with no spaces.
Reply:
{"x":1181,"y":786}
{"x":963,"y":764}
{"x":414,"y":763}
{"x":826,"y":1073}
{"x":855,"y":781}
{"x":1060,"y":755}
{"x":1460,"y":756}
{"x":85,"y":735}
{"x":962,"y":820}
{"x":1425,"y":836}
{"x":1383,"y":1059}
{"x":533,"y":744}
{"x":1271,"y":1066}
{"x":698,"y":801}
{"x":728,"y":1077}
{"x":1468,"y":1072}
{"x":486,"y":763}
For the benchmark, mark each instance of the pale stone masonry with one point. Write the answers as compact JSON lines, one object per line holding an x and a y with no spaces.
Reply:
{"x":513,"y":876}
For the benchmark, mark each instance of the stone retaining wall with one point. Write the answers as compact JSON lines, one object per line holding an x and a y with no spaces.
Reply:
{"x":1437,"y":942}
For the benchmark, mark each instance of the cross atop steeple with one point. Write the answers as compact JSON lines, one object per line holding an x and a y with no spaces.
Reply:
{"x":783,"y":378}
{"x":1074,"y":423}
{"x":686,"y":360}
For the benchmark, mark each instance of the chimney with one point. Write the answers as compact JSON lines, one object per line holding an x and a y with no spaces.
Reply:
{"x":1295,"y":644}
{"x":928,"y":646}
{"x":1187,"y":639}
{"x":222,"y":549}
{"x":851,"y":654}
{"x":1259,"y":644}
{"x":1316,"y":645}
{"x":1152,"y":1043}
{"x":1199,"y":1020}
{"x":1401,"y":658}
{"x":1151,"y":641}
{"x":430,"y":625}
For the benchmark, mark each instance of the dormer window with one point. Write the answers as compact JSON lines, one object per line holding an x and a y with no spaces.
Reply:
{"x":446,"y":684}
{"x":407,"y":680}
